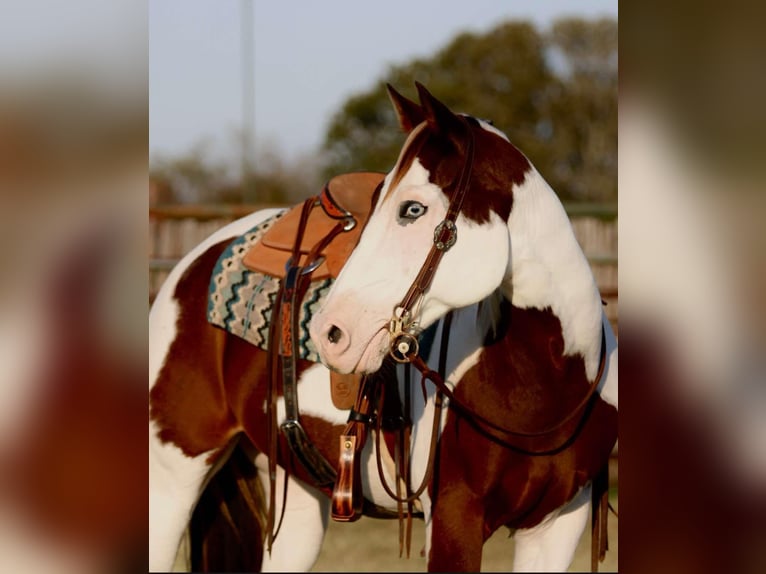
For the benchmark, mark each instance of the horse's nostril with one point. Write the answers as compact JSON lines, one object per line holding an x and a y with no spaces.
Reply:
{"x":334,"y":334}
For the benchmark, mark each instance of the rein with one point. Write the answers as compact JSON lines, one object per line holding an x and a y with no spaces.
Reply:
{"x":489,"y":427}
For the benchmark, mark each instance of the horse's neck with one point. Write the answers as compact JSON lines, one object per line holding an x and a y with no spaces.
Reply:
{"x":547,"y":268}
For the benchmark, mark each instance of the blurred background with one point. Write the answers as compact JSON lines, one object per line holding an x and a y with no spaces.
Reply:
{"x":229,"y":105}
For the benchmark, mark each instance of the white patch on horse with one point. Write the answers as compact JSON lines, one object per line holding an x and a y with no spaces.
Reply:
{"x":547,"y":268}
{"x":469,"y":254}
{"x":550,"y":545}
{"x":175,"y":482}
{"x":492,"y":129}
{"x":304,"y":519}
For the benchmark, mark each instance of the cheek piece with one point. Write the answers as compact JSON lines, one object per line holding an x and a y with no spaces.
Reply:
{"x":403,"y":346}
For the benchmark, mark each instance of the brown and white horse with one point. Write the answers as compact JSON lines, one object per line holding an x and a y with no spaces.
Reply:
{"x":528,"y":341}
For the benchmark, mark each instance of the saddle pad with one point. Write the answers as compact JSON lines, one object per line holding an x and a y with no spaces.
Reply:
{"x":241,"y":300}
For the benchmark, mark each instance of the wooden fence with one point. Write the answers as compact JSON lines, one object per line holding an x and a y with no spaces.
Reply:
{"x":176,"y":229}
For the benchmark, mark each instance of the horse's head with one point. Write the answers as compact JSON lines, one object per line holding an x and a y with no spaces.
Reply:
{"x":451,"y":167}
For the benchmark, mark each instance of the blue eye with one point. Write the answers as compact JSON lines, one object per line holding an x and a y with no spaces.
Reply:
{"x":412,"y":210}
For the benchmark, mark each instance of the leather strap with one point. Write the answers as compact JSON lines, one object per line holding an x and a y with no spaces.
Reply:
{"x":346,"y":496}
{"x":599,"y":517}
{"x":284,"y":351}
{"x":332,"y":208}
{"x":445,"y":234}
{"x":411,"y":496}
{"x":491,"y":428}
{"x":321,"y":471}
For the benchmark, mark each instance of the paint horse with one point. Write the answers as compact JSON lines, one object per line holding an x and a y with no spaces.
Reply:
{"x":464,"y":219}
{"x":526,"y":364}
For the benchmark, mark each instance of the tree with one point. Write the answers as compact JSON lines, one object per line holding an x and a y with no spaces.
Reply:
{"x":553,"y":93}
{"x":198,"y":176}
{"x":585,"y":113}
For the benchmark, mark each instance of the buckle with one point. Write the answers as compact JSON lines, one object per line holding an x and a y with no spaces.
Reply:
{"x":404,"y":347}
{"x":444,"y":243}
{"x":308,"y":268}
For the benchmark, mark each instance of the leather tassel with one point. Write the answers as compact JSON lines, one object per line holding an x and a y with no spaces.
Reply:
{"x":346,"y":495}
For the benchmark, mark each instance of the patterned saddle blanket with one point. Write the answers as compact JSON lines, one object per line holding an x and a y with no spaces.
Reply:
{"x":241,"y":300}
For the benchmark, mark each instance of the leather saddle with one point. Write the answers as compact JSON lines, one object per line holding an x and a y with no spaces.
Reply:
{"x":328,"y":228}
{"x":345,"y":197}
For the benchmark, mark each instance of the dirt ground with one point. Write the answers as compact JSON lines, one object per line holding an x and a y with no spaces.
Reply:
{"x":372,"y":545}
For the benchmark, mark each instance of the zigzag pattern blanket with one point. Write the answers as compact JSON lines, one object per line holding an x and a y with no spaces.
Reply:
{"x":241,"y":300}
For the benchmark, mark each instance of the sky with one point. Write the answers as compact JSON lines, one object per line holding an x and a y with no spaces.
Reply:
{"x":309,"y":57}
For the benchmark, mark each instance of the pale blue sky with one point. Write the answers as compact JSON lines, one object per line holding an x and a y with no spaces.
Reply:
{"x":309,"y":57}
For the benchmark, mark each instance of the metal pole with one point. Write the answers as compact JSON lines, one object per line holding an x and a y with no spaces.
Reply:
{"x":248,"y":96}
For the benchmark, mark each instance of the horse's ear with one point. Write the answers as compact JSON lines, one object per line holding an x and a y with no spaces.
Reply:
{"x":409,"y":113}
{"x":440,"y":118}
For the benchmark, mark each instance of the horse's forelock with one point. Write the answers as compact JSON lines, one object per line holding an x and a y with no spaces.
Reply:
{"x":435,"y":152}
{"x":407,"y":155}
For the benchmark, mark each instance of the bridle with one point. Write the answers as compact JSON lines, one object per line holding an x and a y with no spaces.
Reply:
{"x":403,"y":333}
{"x":404,"y":342}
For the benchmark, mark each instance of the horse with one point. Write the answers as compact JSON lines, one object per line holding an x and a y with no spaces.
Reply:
{"x":526,"y":367}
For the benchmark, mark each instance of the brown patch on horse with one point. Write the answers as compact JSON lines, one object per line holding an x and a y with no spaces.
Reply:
{"x":518,"y":382}
{"x":190,"y":384}
{"x":498,"y":168}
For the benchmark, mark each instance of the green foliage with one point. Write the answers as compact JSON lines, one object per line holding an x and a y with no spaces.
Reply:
{"x":553,"y":93}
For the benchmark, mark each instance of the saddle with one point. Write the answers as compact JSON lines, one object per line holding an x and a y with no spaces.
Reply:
{"x":345,"y":198}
